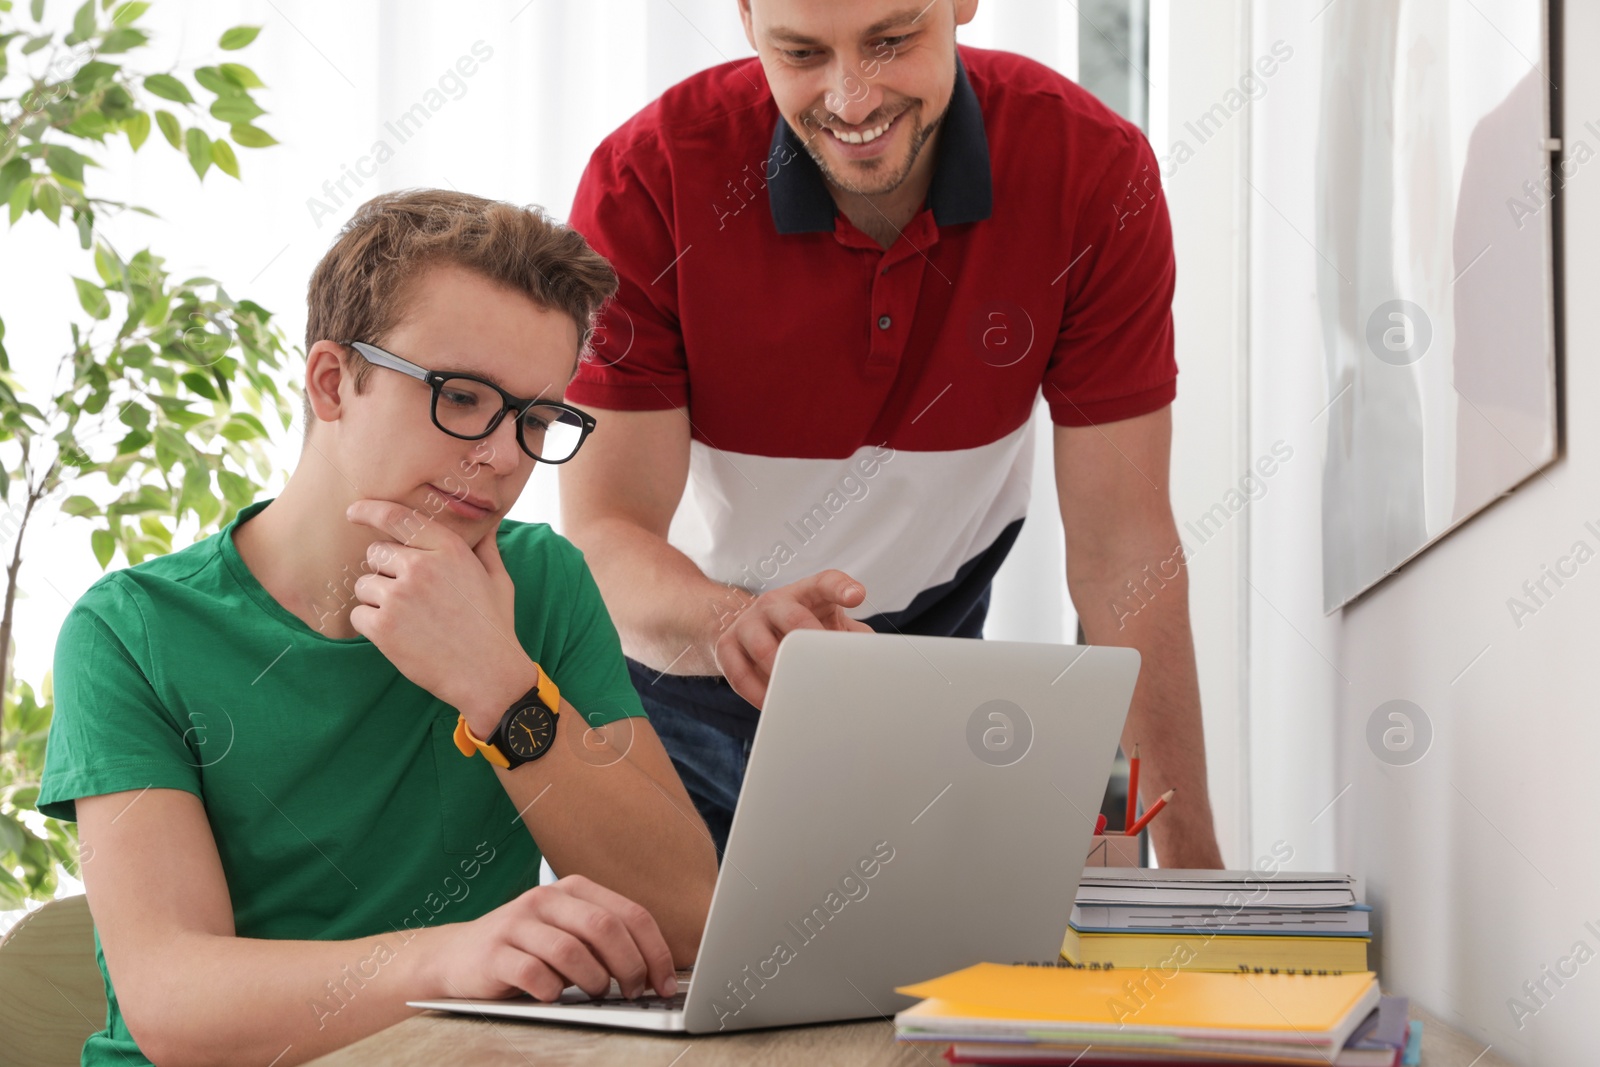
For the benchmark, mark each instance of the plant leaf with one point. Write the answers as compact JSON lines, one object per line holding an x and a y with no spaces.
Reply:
{"x":126,"y":13}
{"x":171,"y":129}
{"x":213,"y":79}
{"x":13,"y":837}
{"x":65,"y":162}
{"x":90,"y":76}
{"x":21,"y":197}
{"x":168,"y":88}
{"x":222,"y":155}
{"x":47,"y":198}
{"x":238,"y":37}
{"x":137,"y":128}
{"x":200,"y":384}
{"x":199,"y":148}
{"x":12,"y":173}
{"x":79,"y":506}
{"x":135,"y":440}
{"x":243,"y":426}
{"x":106,"y":265}
{"x":241,"y":75}
{"x":122,"y":40}
{"x":93,"y":298}
{"x":236,"y":109}
{"x":83,"y":22}
{"x":104,"y":545}
{"x":251,"y":136}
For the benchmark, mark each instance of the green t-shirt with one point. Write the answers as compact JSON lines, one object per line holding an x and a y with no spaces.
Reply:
{"x":339,"y":802}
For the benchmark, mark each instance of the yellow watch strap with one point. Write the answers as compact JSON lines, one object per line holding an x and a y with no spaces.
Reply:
{"x":548,"y":691}
{"x":470,"y":745}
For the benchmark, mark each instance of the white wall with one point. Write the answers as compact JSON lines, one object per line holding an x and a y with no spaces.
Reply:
{"x":1478,"y":857}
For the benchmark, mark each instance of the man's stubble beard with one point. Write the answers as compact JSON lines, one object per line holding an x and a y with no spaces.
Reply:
{"x":919,"y":140}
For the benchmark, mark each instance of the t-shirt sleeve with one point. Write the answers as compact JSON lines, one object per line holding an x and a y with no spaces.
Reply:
{"x":623,"y":207}
{"x":109,"y":732}
{"x":1113,"y":358}
{"x":591,"y":672}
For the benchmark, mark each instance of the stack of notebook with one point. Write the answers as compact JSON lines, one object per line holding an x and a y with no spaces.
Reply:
{"x":1052,"y":1016}
{"x":1218,"y":921}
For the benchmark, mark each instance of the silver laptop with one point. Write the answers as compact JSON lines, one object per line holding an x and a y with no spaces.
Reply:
{"x":913,"y":805}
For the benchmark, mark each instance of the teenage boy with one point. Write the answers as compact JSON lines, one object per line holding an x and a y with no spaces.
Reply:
{"x":315,"y":759}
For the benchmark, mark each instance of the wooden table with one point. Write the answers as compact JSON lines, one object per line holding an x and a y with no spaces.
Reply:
{"x":435,"y":1037}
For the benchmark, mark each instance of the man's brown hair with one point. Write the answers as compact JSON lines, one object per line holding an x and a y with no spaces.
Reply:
{"x":359,"y":290}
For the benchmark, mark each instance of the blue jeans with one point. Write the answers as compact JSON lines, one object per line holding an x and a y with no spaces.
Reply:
{"x":710,"y":762}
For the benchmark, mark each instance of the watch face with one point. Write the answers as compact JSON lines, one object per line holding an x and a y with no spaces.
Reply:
{"x":530,"y":731}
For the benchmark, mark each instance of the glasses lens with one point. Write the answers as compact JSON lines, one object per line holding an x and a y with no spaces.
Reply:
{"x":463,"y":406}
{"x":551,"y":433}
{"x":466,"y":408}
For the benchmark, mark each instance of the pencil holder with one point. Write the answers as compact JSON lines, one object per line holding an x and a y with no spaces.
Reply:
{"x":1113,"y":850}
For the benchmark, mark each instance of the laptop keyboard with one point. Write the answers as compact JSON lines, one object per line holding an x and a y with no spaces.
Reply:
{"x":614,"y":999}
{"x":617,"y":1002}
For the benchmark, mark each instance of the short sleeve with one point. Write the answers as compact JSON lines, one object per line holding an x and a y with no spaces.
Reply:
{"x":592,"y":674}
{"x":109,"y":732}
{"x":1113,"y":357}
{"x":623,"y":208}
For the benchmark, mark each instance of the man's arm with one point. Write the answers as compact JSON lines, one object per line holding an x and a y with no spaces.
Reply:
{"x":192,"y":992}
{"x":1112,"y":484}
{"x":617,"y":501}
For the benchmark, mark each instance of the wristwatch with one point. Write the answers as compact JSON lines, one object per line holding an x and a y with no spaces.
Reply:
{"x":526,"y":731}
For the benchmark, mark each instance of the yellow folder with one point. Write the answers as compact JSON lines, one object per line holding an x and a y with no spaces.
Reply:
{"x":1174,"y":1000}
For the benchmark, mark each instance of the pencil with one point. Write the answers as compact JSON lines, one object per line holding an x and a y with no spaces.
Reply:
{"x":1154,"y":810}
{"x":1133,"y":792}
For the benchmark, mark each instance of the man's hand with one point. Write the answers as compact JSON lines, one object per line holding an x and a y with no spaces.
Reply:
{"x":433,"y":606}
{"x":745,"y":651}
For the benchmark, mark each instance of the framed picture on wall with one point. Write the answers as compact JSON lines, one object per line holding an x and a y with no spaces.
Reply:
{"x":1436,"y":173}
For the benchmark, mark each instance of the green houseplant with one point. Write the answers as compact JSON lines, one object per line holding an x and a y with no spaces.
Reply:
{"x":153,"y":415}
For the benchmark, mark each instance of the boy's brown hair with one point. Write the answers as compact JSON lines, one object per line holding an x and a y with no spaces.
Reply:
{"x":358,"y":291}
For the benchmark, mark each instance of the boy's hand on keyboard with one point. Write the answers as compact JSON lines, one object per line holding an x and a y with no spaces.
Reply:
{"x":573,"y":932}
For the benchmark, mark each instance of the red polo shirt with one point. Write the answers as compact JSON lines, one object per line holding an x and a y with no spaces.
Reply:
{"x":866,"y":409}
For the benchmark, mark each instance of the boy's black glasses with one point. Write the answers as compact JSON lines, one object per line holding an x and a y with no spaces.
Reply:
{"x":470,"y":408}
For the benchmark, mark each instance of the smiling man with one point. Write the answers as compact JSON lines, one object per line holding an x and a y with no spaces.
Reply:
{"x":315,"y":759}
{"x":848,"y":267}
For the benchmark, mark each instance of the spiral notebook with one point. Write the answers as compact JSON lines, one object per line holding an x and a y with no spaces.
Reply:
{"x":1269,"y":1018}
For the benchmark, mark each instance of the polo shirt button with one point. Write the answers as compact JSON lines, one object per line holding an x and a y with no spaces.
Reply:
{"x":883,"y":322}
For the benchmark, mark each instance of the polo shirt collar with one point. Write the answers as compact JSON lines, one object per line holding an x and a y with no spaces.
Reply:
{"x":962,"y":188}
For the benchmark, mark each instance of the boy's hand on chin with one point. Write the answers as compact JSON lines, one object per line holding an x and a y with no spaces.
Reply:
{"x":441,"y":611}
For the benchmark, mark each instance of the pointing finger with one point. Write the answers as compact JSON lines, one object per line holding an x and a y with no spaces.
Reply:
{"x":828,"y":589}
